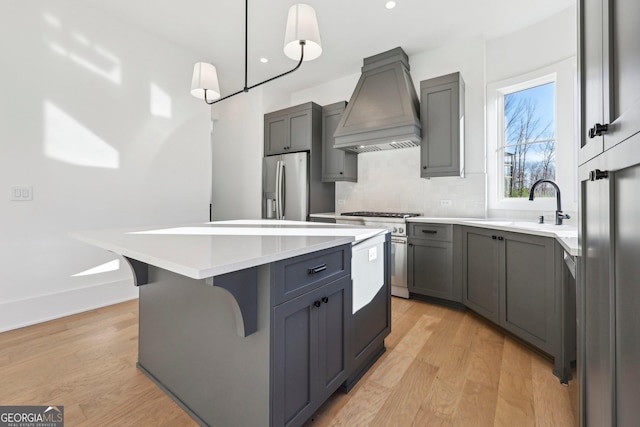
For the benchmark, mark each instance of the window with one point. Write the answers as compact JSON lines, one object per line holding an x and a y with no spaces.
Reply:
{"x":528,"y":144}
{"x":530,"y":136}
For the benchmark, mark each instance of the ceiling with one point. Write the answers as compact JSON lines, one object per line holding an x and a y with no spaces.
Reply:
{"x":350,"y":29}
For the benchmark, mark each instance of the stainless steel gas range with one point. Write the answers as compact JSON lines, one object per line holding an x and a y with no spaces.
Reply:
{"x":398,"y":225}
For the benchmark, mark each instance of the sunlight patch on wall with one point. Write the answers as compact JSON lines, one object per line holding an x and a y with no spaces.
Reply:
{"x":67,"y":140}
{"x":160,"y":102}
{"x":102,"y":268}
{"x":103,"y":63}
{"x":51,"y":20}
{"x":82,"y":51}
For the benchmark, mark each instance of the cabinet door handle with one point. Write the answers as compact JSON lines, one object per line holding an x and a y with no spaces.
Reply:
{"x":598,"y":174}
{"x":317,"y":269}
{"x":424,"y":167}
{"x":500,"y":238}
{"x":430,"y":231}
{"x":317,"y":303}
{"x":325,"y":299}
{"x":494,"y":237}
{"x":598,"y":130}
{"x":341,"y":173}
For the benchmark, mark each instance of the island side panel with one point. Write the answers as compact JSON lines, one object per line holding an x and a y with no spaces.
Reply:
{"x":189,"y":344}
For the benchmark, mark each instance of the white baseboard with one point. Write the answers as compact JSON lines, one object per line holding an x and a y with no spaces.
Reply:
{"x":29,"y":311}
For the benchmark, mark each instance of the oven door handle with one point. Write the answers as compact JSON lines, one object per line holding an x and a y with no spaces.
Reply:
{"x":401,"y":241}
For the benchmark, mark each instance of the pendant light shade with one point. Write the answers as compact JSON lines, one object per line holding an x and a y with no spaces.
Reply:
{"x":205,"y":78}
{"x":302,"y":26}
{"x":301,"y":42}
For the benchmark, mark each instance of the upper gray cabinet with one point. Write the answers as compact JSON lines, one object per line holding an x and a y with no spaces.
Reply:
{"x":610,"y":88}
{"x":337,"y":165}
{"x":292,"y":129}
{"x":442,"y":119}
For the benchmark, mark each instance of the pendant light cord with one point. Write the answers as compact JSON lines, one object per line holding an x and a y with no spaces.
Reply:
{"x":246,"y":62}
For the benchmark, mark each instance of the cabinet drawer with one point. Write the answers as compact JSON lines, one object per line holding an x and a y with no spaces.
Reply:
{"x":295,"y":276}
{"x":440,"y":232}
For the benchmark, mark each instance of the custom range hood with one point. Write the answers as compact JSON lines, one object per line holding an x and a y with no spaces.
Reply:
{"x":382,"y":113}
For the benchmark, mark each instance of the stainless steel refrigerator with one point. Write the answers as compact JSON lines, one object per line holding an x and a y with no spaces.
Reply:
{"x":285,"y":186}
{"x":292,"y":187}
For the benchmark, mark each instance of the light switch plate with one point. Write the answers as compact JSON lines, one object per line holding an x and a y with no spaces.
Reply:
{"x":21,"y":193}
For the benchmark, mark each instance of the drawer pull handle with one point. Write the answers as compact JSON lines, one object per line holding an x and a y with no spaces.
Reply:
{"x":598,"y":174}
{"x":325,"y":299}
{"x":598,"y":130}
{"x":317,"y":269}
{"x":317,"y":303}
{"x":430,"y":231}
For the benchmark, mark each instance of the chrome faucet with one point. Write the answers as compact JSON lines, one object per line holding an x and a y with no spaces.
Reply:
{"x":559,"y":215}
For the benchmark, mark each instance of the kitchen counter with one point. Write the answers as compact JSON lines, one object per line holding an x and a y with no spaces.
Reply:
{"x":566,"y":235}
{"x":210,"y":249}
{"x":250,"y":322}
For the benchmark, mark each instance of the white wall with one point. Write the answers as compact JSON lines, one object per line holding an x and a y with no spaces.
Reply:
{"x":237,"y":156}
{"x":389,"y":180}
{"x":534,"y":48}
{"x":97,"y":117}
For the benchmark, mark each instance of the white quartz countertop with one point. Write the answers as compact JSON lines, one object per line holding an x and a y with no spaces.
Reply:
{"x":206,"y":250}
{"x":566,"y":234}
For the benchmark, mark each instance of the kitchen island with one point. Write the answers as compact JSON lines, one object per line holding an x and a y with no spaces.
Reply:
{"x":255,"y":323}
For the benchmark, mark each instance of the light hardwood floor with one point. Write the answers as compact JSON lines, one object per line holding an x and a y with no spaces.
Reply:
{"x":442,"y":368}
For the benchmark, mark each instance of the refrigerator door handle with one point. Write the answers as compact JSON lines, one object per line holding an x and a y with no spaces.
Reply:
{"x":283,"y":190}
{"x":278,"y":179}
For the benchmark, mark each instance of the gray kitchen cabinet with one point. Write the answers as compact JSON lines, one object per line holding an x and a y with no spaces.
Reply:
{"x":610,"y":89}
{"x":292,"y":129}
{"x":607,"y":292}
{"x":442,"y":120}
{"x":310,"y":351}
{"x":311,"y":332}
{"x":430,"y":261}
{"x":530,"y":292}
{"x":481,"y":265}
{"x":515,"y":280}
{"x":337,"y":165}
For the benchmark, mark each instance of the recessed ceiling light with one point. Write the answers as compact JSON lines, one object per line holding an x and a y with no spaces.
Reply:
{"x":390,"y":4}
{"x":264,"y":60}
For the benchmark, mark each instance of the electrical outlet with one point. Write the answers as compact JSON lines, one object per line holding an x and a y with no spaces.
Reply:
{"x":373,"y":253}
{"x":446,"y":203}
{"x":21,"y":193}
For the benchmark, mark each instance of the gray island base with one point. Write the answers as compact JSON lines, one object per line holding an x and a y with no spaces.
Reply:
{"x":306,"y":343}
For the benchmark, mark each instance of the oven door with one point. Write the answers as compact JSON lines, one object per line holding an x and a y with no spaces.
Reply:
{"x":399,"y":267}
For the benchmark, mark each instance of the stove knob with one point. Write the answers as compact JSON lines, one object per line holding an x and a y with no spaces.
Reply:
{"x":401,"y":230}
{"x":395,"y":230}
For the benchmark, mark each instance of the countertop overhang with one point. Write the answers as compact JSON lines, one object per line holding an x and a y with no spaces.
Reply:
{"x":210,"y":249}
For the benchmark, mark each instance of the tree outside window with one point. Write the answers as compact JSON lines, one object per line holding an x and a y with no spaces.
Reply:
{"x":529,"y":144}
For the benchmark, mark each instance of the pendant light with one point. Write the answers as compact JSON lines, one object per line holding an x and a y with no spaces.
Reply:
{"x":301,"y":43}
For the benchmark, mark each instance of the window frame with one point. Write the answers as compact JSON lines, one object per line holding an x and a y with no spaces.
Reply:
{"x":564,"y":75}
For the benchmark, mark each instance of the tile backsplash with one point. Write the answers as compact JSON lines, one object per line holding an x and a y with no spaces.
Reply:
{"x":390,"y":181}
